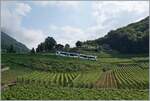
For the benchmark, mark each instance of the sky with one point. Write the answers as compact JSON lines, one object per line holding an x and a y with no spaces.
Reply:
{"x":30,"y":22}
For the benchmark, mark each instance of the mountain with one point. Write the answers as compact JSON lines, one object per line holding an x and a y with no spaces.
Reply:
{"x":7,"y":42}
{"x":133,"y":38}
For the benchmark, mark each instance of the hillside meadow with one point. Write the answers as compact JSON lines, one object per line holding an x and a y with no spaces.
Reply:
{"x":47,"y":76}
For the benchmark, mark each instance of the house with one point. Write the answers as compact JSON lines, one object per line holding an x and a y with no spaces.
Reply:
{"x":69,"y":54}
{"x":76,"y":55}
{"x":89,"y":57}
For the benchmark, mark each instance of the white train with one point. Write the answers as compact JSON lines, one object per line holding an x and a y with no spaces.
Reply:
{"x":76,"y":55}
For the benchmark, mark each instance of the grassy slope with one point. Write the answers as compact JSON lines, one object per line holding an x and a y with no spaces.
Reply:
{"x":18,"y":62}
{"x":14,"y":71}
{"x":14,"y":61}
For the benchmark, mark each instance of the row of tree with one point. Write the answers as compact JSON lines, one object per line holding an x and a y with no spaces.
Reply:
{"x":50,"y":45}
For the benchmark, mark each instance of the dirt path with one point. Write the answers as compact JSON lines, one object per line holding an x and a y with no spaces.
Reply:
{"x":107,"y":80}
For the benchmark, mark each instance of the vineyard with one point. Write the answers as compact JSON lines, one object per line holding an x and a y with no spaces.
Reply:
{"x":116,"y":79}
{"x":63,"y":79}
{"x":128,"y":77}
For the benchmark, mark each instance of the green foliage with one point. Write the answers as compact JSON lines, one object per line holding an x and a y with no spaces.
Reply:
{"x":32,"y":51}
{"x":40,"y":48}
{"x":42,"y":92}
{"x":133,"y":38}
{"x":47,"y":76}
{"x":67,"y":47}
{"x":12,"y":74}
{"x":131,"y":76}
{"x":59,"y":47}
{"x":50,"y":62}
{"x":50,"y":44}
{"x":47,"y":46}
{"x":78,"y":44}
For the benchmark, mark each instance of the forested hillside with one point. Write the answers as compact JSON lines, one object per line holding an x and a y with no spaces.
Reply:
{"x":133,"y":38}
{"x":8,"y":44}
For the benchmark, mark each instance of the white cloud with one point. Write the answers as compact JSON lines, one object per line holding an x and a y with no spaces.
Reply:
{"x":11,"y":19}
{"x":32,"y":37}
{"x":113,"y":14}
{"x":62,"y":4}
{"x":108,"y":15}
{"x":22,"y":8}
{"x":70,"y":34}
{"x":67,"y":34}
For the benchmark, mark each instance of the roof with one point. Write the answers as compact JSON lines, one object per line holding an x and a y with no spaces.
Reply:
{"x":77,"y":54}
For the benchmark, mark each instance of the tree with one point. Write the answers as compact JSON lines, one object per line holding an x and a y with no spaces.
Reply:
{"x":67,"y":47}
{"x":133,"y":38}
{"x":40,"y":48}
{"x":59,"y":47}
{"x":32,"y":51}
{"x":78,"y":44}
{"x":50,"y":44}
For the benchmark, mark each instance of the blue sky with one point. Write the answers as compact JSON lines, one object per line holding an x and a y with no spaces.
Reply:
{"x":60,"y":17}
{"x":30,"y":22}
